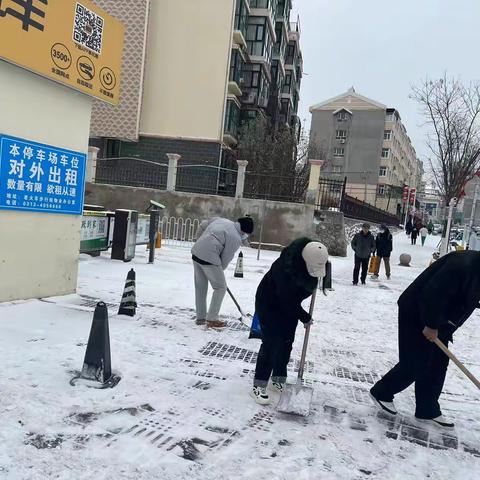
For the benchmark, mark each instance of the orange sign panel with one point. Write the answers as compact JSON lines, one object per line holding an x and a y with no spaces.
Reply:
{"x":72,"y":42}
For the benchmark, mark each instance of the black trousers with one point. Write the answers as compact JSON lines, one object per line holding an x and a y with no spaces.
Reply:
{"x":420,"y":362}
{"x":414,"y":240}
{"x":274,"y":353}
{"x":360,"y":262}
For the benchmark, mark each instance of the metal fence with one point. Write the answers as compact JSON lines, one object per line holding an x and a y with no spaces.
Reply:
{"x":179,"y":232}
{"x":331,"y":193}
{"x":137,"y":172}
{"x":206,"y":179}
{"x":131,"y":172}
{"x":355,"y":208}
{"x":274,"y":187}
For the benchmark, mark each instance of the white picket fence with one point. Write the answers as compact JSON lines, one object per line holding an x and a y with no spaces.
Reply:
{"x":178,"y":231}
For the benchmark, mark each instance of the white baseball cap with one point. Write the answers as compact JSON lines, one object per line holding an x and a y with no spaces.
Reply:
{"x":315,"y":255}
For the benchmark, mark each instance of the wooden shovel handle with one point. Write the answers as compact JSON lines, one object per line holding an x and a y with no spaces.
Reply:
{"x":457,"y":362}
{"x":301,"y":367}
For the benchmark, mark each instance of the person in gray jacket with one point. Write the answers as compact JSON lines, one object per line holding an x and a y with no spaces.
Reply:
{"x":218,"y":240}
{"x":363,"y":245}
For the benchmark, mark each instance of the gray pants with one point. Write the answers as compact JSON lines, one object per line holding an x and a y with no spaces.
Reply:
{"x":203,"y":275}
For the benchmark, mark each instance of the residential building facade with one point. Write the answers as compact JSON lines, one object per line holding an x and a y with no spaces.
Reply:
{"x":366,"y":142}
{"x":194,"y":71}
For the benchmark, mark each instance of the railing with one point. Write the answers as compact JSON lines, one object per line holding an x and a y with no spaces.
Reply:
{"x":178,"y":232}
{"x":355,"y":208}
{"x":331,"y":193}
{"x":136,"y":172}
{"x":206,"y":179}
{"x":279,"y":188}
{"x":132,"y":172}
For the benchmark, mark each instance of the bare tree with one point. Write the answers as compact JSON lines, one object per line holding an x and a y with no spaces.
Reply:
{"x":278,"y":165}
{"x":452,"y":110}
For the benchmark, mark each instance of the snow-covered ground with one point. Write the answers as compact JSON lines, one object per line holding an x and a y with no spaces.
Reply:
{"x":182,"y":409}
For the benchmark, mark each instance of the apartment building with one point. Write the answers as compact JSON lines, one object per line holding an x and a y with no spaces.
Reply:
{"x":194,"y":71}
{"x":366,"y":142}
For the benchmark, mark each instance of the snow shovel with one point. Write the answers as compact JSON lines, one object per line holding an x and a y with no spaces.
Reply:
{"x":297,"y":398}
{"x":243,"y":315}
{"x":457,"y":362}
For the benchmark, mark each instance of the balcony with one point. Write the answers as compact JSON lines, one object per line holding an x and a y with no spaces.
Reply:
{"x":242,"y":11}
{"x":232,"y":123}
{"x":295,"y":31}
{"x":265,"y":8}
{"x":235,"y":78}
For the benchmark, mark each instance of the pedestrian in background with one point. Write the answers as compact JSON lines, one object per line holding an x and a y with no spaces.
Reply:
{"x":384,"y":247}
{"x":414,"y":235}
{"x":363,"y":245}
{"x":218,"y":240}
{"x":423,"y":234}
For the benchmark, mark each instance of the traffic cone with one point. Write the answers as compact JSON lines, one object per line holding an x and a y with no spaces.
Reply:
{"x":239,"y":267}
{"x":97,"y":364}
{"x":128,"y":304}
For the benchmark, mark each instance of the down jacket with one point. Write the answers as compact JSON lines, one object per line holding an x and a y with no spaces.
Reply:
{"x":218,"y":240}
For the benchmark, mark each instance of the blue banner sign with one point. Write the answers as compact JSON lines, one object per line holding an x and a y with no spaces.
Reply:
{"x":40,"y":178}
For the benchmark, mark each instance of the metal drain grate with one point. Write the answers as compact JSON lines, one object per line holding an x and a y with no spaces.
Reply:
{"x":333,"y":352}
{"x":237,"y":326}
{"x":167,"y":433}
{"x":363,"y":377}
{"x":228,"y":352}
{"x":263,"y":420}
{"x":91,"y":302}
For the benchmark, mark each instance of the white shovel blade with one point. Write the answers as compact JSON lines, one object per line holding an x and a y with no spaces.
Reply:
{"x":296,"y":399}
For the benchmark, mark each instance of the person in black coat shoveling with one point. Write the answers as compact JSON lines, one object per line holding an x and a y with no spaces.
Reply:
{"x":291,"y":279}
{"x":363,"y":245}
{"x":384,"y":247}
{"x":434,"y":306}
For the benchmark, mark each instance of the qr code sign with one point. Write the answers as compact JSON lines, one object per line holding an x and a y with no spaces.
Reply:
{"x":88,"y":28}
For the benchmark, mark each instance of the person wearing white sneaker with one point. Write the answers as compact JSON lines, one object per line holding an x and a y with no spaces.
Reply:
{"x":291,"y":279}
{"x":434,"y":306}
{"x":260,"y":395}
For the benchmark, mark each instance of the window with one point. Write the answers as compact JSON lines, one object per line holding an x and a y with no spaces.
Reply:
{"x":338,"y":152}
{"x":381,"y":190}
{"x":290,"y":60}
{"x":387,"y":135}
{"x":258,"y":38}
{"x":337,"y":169}
{"x":341,"y":134}
{"x":385,"y":153}
{"x":342,"y":116}
{"x":390,"y":117}
{"x":383,"y":172}
{"x":287,"y":83}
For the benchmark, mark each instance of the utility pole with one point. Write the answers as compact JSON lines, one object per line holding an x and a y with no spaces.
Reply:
{"x":467,"y":233}
{"x":446,"y":239}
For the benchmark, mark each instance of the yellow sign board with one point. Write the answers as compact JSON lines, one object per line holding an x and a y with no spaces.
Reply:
{"x":73,"y":42}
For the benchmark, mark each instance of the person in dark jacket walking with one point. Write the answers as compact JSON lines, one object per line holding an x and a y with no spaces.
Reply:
{"x":363,"y":245}
{"x":434,"y":306}
{"x":384,"y":247}
{"x":414,"y":235}
{"x":278,"y":303}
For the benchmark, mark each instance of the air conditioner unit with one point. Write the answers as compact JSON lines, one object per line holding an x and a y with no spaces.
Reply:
{"x":250,"y":97}
{"x":342,"y":140}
